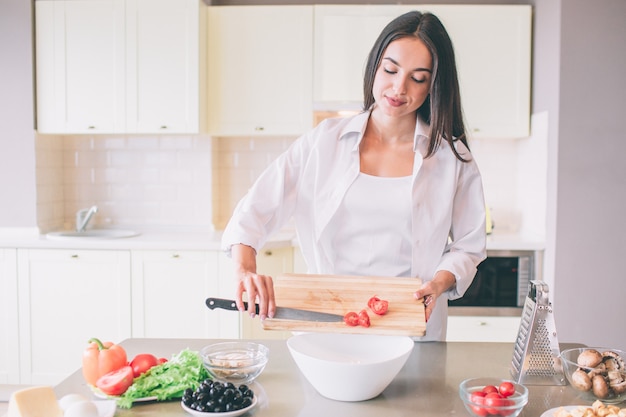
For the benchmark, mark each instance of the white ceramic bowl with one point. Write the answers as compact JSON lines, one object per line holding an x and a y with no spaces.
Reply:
{"x":349,"y":367}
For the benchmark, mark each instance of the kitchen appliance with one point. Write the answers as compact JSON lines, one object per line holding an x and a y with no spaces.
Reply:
{"x":284,"y":313}
{"x":536,"y":359}
{"x":501,"y":281}
{"x":341,"y":294}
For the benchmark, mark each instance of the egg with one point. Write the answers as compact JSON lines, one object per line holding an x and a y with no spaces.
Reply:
{"x":82,"y":409}
{"x":66,"y":401}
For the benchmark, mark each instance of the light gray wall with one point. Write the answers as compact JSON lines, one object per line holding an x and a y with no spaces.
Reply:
{"x":17,"y":137}
{"x":590,"y":229}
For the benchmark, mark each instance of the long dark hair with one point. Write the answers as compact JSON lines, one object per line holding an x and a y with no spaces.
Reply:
{"x":442,"y":108}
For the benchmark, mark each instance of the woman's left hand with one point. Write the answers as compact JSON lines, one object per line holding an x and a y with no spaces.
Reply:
{"x":431,"y":290}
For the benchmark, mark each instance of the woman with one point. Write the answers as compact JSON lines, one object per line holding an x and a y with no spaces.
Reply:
{"x":392,"y":191}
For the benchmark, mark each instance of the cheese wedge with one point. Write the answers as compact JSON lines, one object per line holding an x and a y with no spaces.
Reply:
{"x":34,"y":402}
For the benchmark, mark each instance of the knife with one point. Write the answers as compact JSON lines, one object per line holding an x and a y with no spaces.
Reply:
{"x":285,"y":313}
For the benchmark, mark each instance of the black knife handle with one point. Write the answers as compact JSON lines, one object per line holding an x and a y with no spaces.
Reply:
{"x":214,"y":303}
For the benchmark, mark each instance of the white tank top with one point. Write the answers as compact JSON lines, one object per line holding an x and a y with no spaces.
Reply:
{"x":372,"y":228}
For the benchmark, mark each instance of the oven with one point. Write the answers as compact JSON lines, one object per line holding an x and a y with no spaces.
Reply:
{"x":500,"y":285}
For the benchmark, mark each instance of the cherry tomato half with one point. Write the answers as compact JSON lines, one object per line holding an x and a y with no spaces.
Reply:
{"x":142,"y":363}
{"x":116,"y":382}
{"x":351,"y":319}
{"x":378,"y":305}
{"x":364,"y":318}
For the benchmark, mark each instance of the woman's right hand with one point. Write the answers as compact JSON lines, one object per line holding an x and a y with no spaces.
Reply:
{"x":259,"y":288}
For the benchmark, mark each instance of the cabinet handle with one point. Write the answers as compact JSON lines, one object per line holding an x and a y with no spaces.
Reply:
{"x":74,"y":256}
{"x":268,"y":253}
{"x":259,"y":128}
{"x":163,"y":127}
{"x":175,"y":256}
{"x":91,"y":127}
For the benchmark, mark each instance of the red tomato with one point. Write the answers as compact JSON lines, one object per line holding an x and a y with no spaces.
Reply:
{"x":378,"y":306}
{"x":142,"y":363}
{"x":116,"y":382}
{"x":478,"y":398}
{"x":162,"y":360}
{"x":351,"y":319}
{"x":490,"y":388}
{"x":493,"y":399}
{"x":364,"y":318}
{"x":506,"y":389}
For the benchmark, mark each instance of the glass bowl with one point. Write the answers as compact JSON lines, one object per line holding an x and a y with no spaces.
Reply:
{"x":235,"y":362}
{"x":597,"y":373}
{"x":471,"y":392}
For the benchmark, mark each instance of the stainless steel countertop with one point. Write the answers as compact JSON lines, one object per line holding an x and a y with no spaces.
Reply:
{"x":426,"y":386}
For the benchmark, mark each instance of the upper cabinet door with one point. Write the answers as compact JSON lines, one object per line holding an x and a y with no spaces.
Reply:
{"x":492,"y":44}
{"x":343,"y":38}
{"x":80,"y":66}
{"x":260,"y":70}
{"x":163,"y":66}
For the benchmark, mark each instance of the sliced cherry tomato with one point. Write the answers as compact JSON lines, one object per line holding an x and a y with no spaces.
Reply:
{"x":162,"y":360}
{"x":506,"y":389}
{"x":142,"y":363}
{"x":364,"y":318}
{"x":378,"y":306}
{"x":351,"y":319}
{"x":478,"y":399}
{"x":116,"y":382}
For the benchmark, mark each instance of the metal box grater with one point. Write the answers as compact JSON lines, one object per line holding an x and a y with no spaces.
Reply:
{"x":536,"y":358}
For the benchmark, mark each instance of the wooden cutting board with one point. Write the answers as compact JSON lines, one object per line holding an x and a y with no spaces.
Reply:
{"x":342,"y":294}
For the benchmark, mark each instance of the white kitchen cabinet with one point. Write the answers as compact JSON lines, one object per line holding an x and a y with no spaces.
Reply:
{"x":166,"y":56}
{"x":483,"y":328}
{"x":66,"y":297}
{"x":344,"y":35}
{"x":119,"y":66}
{"x":493,"y":49}
{"x":9,"y":347}
{"x":494,"y":70}
{"x":260,"y":70}
{"x":271,"y":262}
{"x":80,"y":66}
{"x":169,"y":291}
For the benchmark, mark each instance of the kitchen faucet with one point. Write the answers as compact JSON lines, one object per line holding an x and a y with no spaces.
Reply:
{"x":83,"y":217}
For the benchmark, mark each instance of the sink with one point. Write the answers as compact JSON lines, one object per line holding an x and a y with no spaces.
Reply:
{"x":92,"y":234}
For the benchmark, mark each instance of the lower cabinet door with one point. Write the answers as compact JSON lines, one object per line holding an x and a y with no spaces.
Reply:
{"x":169,"y":291}
{"x":9,"y":347}
{"x":66,"y":297}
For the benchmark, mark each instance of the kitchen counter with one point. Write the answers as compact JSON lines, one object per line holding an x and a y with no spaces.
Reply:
{"x":189,"y":239}
{"x":427,"y":385}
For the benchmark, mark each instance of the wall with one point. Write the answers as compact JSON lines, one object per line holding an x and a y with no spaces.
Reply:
{"x":589,"y":243}
{"x":135,"y":180}
{"x":17,"y":137}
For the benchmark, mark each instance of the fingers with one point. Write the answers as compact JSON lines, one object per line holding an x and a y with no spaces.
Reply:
{"x":429,"y":305}
{"x":259,"y":289}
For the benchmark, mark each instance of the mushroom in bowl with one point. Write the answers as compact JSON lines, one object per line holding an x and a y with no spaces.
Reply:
{"x":349,"y":367}
{"x":597,"y":373}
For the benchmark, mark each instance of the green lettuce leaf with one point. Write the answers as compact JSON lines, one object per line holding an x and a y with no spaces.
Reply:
{"x":167,"y":381}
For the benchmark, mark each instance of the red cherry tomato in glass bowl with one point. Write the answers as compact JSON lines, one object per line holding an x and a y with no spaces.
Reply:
{"x":478,"y":398}
{"x":116,"y":382}
{"x":506,"y":389}
{"x":490,"y":388}
{"x":364,"y":318}
{"x":378,"y":305}
{"x":142,"y":363}
{"x":351,"y":319}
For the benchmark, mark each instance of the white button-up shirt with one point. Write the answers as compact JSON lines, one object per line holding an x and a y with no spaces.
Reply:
{"x":309,"y":181}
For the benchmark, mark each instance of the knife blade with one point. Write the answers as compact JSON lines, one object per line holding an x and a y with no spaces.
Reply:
{"x":286,"y":313}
